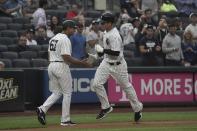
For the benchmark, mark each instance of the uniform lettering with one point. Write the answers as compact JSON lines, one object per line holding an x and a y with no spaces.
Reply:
{"x":52,"y":45}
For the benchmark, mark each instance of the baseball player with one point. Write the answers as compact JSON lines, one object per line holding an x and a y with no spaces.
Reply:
{"x":60,"y":80}
{"x":115,"y":65}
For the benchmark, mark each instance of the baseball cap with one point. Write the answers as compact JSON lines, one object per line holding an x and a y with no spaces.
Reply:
{"x":107,"y":17}
{"x":69,"y":23}
{"x":192,"y":14}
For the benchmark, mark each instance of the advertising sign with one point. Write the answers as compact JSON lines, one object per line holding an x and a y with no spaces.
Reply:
{"x":156,"y":87}
{"x":82,"y":89}
{"x":11,"y":91}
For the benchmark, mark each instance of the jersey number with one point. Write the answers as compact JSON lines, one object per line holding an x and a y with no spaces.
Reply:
{"x":53,"y":45}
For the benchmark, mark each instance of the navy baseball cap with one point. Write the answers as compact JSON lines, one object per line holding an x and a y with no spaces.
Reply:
{"x":69,"y":23}
{"x":107,"y":17}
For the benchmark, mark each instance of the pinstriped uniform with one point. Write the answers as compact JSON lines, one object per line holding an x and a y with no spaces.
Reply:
{"x":112,"y":40}
{"x":60,"y":80}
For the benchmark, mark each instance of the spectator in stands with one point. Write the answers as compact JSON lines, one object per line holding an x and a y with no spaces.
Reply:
{"x":160,"y":33}
{"x":149,"y":48}
{"x":151,"y":4}
{"x":78,"y":42}
{"x":94,"y":37}
{"x":55,"y":21}
{"x":162,"y":29}
{"x":193,"y":26}
{"x":28,"y":8}
{"x":30,"y":37}
{"x":11,"y":7}
{"x":2,"y":65}
{"x":41,"y":36}
{"x":168,"y":6}
{"x":39,"y":16}
{"x":22,"y":43}
{"x":126,"y":30}
{"x":171,"y":46}
{"x":147,"y":18}
{"x":189,"y":48}
{"x":71,"y":14}
{"x":141,"y":32}
{"x":132,"y":7}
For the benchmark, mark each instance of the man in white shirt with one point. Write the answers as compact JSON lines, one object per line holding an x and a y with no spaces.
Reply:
{"x":30,"y":36}
{"x":193,"y":26}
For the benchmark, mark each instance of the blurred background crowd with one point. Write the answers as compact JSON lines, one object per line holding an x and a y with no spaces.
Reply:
{"x":154,"y":32}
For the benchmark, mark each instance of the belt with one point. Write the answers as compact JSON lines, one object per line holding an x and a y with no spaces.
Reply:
{"x":114,"y":63}
{"x":56,"y":61}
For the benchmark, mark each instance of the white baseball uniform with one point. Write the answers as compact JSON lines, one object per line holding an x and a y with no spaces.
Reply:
{"x":60,"y":80}
{"x":115,"y":66}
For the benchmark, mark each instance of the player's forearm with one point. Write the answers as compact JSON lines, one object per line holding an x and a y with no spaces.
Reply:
{"x":111,"y":52}
{"x":70,"y":60}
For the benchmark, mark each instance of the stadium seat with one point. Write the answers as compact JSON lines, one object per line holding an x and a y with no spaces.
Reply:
{"x":9,"y":33}
{"x":3,"y":48}
{"x":21,"y":63}
{"x":34,"y":48}
{"x":7,"y":62}
{"x":6,"y":41}
{"x":45,"y":47}
{"x":12,"y":47}
{"x":9,"y":55}
{"x":5,"y":20}
{"x":3,"y":26}
{"x":39,"y":62}
{"x":21,"y":20}
{"x":28,"y":54}
{"x":43,"y":54}
{"x":15,"y":26}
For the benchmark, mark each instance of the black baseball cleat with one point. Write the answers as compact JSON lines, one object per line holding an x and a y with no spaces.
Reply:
{"x":103,"y":113}
{"x":41,"y":116}
{"x":67,"y":123}
{"x":138,"y":116}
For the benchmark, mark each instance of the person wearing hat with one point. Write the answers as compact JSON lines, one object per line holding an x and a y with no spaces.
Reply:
{"x":150,"y":48}
{"x":171,"y":46}
{"x":78,"y":41}
{"x":113,"y":65}
{"x":60,"y":79}
{"x":126,"y":30}
{"x":192,"y":27}
{"x":94,"y":37}
{"x":30,"y":37}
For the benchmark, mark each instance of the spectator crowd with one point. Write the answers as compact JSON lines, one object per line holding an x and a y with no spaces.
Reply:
{"x":154,"y":32}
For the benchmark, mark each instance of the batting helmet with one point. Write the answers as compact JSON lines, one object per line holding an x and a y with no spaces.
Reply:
{"x":108,"y":17}
{"x":69,"y":23}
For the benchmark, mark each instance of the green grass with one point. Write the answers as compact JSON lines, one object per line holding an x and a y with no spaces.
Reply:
{"x":21,"y":122}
